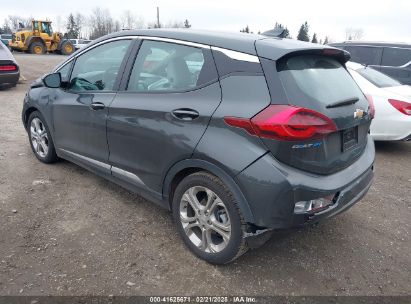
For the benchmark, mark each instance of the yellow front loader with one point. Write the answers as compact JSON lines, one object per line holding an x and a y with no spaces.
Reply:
{"x":40,"y":39}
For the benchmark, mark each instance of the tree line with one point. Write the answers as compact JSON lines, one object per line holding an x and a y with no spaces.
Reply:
{"x":100,"y":23}
{"x":97,"y":24}
{"x":303,"y":33}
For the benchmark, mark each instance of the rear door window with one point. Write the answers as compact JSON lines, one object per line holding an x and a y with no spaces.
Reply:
{"x":164,"y":66}
{"x":365,"y":54}
{"x":314,"y":81}
{"x":396,"y":56}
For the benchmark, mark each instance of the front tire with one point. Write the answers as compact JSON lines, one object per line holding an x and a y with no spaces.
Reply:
{"x":37,"y":48}
{"x":208,"y":218}
{"x":40,"y":139}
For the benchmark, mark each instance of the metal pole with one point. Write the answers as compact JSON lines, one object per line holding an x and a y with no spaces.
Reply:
{"x":158,"y":17}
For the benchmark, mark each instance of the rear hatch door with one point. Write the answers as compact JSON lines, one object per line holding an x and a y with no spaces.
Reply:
{"x":316,"y":80}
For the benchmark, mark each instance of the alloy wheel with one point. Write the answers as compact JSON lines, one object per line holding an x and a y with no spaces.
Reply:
{"x":39,"y":138}
{"x":205,"y":219}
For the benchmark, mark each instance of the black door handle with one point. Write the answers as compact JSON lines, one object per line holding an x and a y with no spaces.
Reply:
{"x":97,"y":106}
{"x":185,"y":114}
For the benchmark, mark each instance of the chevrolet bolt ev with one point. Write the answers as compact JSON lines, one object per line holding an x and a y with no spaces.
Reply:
{"x":237,"y":134}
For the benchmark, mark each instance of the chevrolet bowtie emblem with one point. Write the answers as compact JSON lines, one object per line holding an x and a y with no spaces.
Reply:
{"x":358,"y":113}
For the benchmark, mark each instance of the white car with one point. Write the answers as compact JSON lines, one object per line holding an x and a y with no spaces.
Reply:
{"x":79,"y":43}
{"x":391,"y":99}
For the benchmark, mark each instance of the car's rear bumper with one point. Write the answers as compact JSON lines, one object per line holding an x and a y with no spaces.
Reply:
{"x":391,"y":128}
{"x":272,"y":189}
{"x":9,"y":78}
{"x":344,"y":200}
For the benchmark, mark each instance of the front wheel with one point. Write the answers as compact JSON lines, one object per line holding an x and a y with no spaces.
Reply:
{"x":37,"y":48}
{"x":40,"y":139}
{"x":208,"y":218}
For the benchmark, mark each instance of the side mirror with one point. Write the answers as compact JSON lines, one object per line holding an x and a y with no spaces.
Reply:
{"x":52,"y":80}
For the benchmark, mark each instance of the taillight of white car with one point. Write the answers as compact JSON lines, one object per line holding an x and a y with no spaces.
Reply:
{"x":402,"y":106}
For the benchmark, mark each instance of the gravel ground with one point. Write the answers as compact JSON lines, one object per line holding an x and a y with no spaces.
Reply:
{"x":65,"y":231}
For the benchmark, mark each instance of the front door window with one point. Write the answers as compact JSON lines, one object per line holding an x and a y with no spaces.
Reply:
{"x":97,"y":69}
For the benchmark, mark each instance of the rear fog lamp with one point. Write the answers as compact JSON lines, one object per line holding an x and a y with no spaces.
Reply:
{"x":314,"y":205}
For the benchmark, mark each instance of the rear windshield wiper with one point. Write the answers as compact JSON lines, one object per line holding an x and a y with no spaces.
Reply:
{"x":344,"y":102}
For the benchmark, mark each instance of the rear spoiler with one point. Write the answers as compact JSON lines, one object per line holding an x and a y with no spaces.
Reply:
{"x":341,"y":55}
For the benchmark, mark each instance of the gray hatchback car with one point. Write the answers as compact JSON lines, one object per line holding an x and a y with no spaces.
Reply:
{"x":237,"y":134}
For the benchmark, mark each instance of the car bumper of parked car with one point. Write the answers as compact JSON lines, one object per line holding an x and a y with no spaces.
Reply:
{"x":9,"y":78}
{"x":273,"y":189}
{"x":392,"y":127}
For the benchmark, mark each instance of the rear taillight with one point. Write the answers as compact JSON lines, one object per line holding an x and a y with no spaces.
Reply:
{"x":285,"y":122}
{"x":8,"y":68}
{"x":372,"y":107}
{"x":402,"y":106}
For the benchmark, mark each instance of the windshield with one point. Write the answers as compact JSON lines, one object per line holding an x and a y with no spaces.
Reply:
{"x":377,"y":78}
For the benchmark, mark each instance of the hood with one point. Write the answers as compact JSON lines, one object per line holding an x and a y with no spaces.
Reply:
{"x":403,"y":90}
{"x":37,"y":83}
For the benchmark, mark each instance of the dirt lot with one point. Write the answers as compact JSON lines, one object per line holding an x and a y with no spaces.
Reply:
{"x":64,"y":231}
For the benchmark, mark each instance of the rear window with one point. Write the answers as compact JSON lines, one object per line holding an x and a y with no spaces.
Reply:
{"x":310,"y":80}
{"x":377,"y":78}
{"x":369,"y":55}
{"x":396,"y":56}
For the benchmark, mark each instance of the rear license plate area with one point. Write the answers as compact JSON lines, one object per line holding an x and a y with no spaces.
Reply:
{"x":349,"y":138}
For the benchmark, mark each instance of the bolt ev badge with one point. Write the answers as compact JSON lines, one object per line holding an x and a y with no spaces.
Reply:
{"x":301,"y":146}
{"x":358,"y":113}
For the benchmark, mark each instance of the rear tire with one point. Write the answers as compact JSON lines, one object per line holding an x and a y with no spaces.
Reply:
{"x":208,"y":218}
{"x":67,"y":48}
{"x":37,"y":48}
{"x":40,"y":139}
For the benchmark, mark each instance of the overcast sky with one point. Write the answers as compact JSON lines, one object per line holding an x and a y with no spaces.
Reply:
{"x":379,"y":20}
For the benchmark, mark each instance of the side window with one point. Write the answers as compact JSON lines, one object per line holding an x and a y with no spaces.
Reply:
{"x":97,"y":69}
{"x":365,"y":54}
{"x":396,"y":56}
{"x":65,"y":70}
{"x":163,"y":66}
